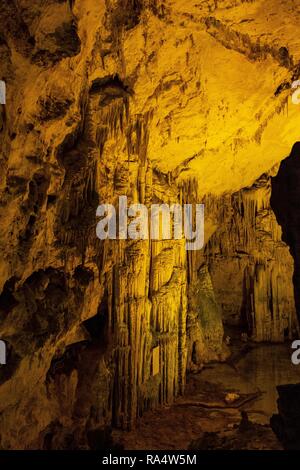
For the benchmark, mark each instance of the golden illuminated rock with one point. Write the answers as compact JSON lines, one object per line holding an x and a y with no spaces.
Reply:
{"x":166,"y":102}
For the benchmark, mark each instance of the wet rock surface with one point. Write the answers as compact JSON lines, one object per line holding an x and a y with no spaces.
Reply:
{"x":204,"y":419}
{"x":243,"y":436}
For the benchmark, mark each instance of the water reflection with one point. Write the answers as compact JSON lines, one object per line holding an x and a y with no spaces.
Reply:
{"x":265,"y":367}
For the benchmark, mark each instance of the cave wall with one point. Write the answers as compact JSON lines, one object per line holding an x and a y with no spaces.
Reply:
{"x":107,"y":98}
{"x":251,"y":267}
{"x":96,"y":330}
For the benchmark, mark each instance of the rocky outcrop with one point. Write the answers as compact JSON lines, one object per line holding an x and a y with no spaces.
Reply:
{"x":284,"y":201}
{"x":286,"y":424}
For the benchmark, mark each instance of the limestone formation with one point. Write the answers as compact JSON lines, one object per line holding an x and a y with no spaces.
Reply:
{"x":251,"y":267}
{"x":106,"y":98}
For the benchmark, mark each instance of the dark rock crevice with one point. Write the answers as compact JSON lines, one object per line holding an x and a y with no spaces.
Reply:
{"x":286,"y":424}
{"x":285,"y":204}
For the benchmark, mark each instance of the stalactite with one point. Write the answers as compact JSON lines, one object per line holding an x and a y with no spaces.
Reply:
{"x":248,"y":232}
{"x":104,"y":99}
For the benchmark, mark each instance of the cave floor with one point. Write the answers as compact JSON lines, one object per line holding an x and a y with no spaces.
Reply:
{"x":203,"y":420}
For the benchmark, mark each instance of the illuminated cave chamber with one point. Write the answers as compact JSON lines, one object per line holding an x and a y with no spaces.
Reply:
{"x":106,"y":99}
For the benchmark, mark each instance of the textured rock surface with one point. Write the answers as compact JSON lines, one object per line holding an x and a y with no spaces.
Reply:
{"x":129,"y":97}
{"x":251,"y":266}
{"x":205,"y":328}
